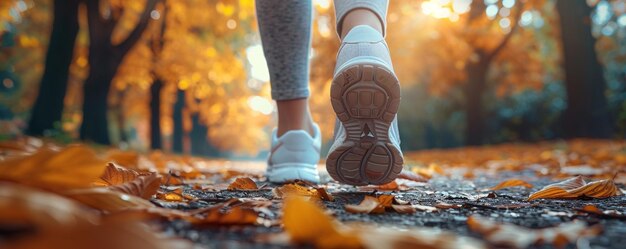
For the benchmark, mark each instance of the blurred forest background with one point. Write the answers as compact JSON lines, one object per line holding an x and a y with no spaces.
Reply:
{"x":188,"y":76}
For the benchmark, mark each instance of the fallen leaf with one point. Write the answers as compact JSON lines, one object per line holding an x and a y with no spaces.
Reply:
{"x":577,"y":187}
{"x":325,"y":232}
{"x":378,"y":205}
{"x":243,"y":183}
{"x":171,"y":180}
{"x":393,"y":185}
{"x":121,"y":233}
{"x":73,"y":167}
{"x":320,"y":229}
{"x":170,"y":196}
{"x":142,"y":186}
{"x":403,"y":209}
{"x":295,"y":189}
{"x":37,"y":210}
{"x":425,"y":208}
{"x":324,"y":194}
{"x":369,"y":205}
{"x":444,"y":205}
{"x":592,"y":209}
{"x":107,"y":200}
{"x":232,"y":212}
{"x":520,"y":237}
{"x":512,"y":183}
{"x":115,"y":174}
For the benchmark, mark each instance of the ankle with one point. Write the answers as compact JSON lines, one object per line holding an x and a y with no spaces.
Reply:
{"x":294,"y":115}
{"x":360,"y":17}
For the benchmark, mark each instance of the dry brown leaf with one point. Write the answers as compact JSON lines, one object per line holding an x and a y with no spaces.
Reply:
{"x":425,"y":208}
{"x":444,"y":205}
{"x":107,"y":200}
{"x":577,"y":187}
{"x":324,"y":195}
{"x":142,"y":186}
{"x":320,"y":229}
{"x":512,"y":183}
{"x":403,"y":209}
{"x":243,"y":183}
{"x":22,"y":206}
{"x":171,"y":180}
{"x":232,"y":212}
{"x":115,"y":174}
{"x":73,"y":167}
{"x":520,"y":237}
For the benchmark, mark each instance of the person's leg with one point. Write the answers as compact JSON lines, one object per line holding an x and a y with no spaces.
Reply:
{"x":285,"y":27}
{"x":365,"y":95}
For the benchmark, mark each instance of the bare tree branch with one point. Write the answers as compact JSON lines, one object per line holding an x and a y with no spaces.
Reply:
{"x":124,"y":46}
{"x":507,"y":37}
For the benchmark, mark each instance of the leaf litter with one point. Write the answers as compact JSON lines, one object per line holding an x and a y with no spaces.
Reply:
{"x":75,"y":188}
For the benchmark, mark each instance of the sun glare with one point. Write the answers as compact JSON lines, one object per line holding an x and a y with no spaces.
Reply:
{"x":445,"y":9}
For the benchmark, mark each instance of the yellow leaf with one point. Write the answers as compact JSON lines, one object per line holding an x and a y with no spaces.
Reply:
{"x":73,"y":167}
{"x":512,"y":183}
{"x":243,"y":183}
{"x":296,"y":190}
{"x":305,"y":222}
{"x":576,"y":187}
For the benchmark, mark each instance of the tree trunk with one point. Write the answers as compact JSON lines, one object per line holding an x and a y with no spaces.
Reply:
{"x":587,"y":114}
{"x":200,"y":145}
{"x":177,"y":116}
{"x":477,"y":77}
{"x":103,"y":63}
{"x":155,"y":114}
{"x":48,"y":107}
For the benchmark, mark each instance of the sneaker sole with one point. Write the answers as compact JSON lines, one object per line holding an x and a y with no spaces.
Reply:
{"x":365,"y":97}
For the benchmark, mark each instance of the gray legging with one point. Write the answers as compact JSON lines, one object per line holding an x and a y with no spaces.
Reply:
{"x":285,"y":27}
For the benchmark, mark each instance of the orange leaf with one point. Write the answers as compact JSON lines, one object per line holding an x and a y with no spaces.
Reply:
{"x":142,"y":186}
{"x":73,"y":167}
{"x":393,"y":185}
{"x":306,"y":222}
{"x":107,"y":200}
{"x":512,"y":183}
{"x":295,"y":189}
{"x":243,"y":183}
{"x":171,"y":196}
{"x":576,"y":187}
{"x":444,"y":205}
{"x":114,"y":174}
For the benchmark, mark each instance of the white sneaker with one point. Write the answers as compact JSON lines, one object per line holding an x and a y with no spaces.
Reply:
{"x":294,"y":156}
{"x":365,"y":95}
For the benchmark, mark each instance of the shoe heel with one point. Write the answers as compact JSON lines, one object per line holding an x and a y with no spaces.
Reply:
{"x":365,"y":98}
